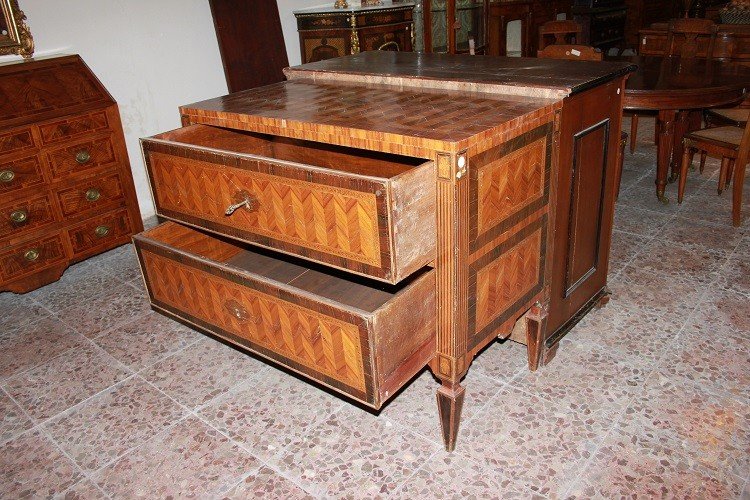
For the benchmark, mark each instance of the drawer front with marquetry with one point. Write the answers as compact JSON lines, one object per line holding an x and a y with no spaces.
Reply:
{"x":17,"y":141}
{"x":24,"y":215}
{"x":370,"y":215}
{"x":90,"y":195}
{"x":81,"y":157}
{"x":104,"y":231}
{"x":20,"y":173}
{"x":30,"y":257}
{"x":73,"y":127}
{"x":304,"y":319}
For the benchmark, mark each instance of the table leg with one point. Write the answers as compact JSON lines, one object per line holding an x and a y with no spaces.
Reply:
{"x":681,"y":127}
{"x":666,"y":123}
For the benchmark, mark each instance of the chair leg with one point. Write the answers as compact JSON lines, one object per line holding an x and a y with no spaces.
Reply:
{"x":723,"y":174}
{"x":739,"y":182}
{"x":703,"y":161}
{"x":730,"y":173}
{"x":687,"y":160}
{"x":633,"y":133}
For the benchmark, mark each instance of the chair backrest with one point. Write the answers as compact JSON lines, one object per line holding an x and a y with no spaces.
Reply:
{"x":559,"y":33}
{"x":572,"y":52}
{"x":688,"y":37}
{"x":744,"y":153}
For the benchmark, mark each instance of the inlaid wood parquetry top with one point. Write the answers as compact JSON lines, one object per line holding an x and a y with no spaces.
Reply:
{"x":428,"y":118}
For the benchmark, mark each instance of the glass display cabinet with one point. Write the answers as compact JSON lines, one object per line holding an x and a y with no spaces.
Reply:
{"x":455,"y":26}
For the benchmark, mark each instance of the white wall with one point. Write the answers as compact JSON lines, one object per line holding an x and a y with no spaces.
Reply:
{"x":152,"y":56}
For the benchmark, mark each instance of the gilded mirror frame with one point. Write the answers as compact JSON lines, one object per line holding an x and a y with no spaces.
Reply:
{"x":18,"y":40}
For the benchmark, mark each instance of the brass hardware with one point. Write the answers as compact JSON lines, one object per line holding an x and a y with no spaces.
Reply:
{"x":354,"y":39}
{"x":83,"y":156}
{"x":31,"y":255}
{"x":7,"y":175}
{"x":390,"y":44}
{"x":101,"y":231}
{"x":247,"y":202}
{"x":235,"y":309}
{"x":340,"y":4}
{"x":93,"y":194}
{"x":19,"y":216}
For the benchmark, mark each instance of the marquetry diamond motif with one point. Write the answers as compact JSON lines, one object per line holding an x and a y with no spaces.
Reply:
{"x":337,"y":221}
{"x":320,"y":343}
{"x":508,"y":278}
{"x":511,"y":182}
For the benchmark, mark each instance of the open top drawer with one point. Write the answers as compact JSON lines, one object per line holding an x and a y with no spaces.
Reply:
{"x":358,"y":336}
{"x":367,"y":212}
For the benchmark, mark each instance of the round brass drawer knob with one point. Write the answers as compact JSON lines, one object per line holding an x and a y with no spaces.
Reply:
{"x":101,"y":231}
{"x":83,"y":156}
{"x":19,"y":216}
{"x":31,"y":255}
{"x":7,"y":175}
{"x":93,"y":194}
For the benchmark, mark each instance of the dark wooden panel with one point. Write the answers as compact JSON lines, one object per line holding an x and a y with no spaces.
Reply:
{"x":250,"y":41}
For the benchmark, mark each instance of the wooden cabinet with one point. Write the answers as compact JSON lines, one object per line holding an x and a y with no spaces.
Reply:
{"x":530,"y":13}
{"x":732,"y":42}
{"x":66,"y":191}
{"x":455,"y":26}
{"x":602,"y":27}
{"x":326,"y":32}
{"x":384,"y":212}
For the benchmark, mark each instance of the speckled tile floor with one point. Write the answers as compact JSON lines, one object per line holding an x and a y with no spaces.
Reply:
{"x":648,"y":397}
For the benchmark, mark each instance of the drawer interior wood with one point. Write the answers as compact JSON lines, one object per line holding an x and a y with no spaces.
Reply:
{"x":351,"y":290}
{"x":354,"y":161}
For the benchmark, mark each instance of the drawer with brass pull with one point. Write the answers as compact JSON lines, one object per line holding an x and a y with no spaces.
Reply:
{"x":81,"y":157}
{"x":107,"y":230}
{"x":368,"y":213}
{"x":90,"y":194}
{"x":360,"y":337}
{"x":29,"y":257}
{"x":20,"y":173}
{"x":23,"y":216}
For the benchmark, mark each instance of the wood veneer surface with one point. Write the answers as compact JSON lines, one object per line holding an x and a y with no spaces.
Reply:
{"x":504,"y":75}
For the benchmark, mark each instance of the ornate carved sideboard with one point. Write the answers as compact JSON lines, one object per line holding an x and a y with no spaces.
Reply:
{"x":383,"y":212}
{"x":327,"y":32}
{"x":66,"y":191}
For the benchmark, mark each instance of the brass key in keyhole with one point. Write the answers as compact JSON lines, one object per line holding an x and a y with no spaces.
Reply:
{"x":247,"y":201}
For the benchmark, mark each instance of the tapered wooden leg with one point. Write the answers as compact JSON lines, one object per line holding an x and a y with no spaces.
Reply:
{"x":536,"y":320}
{"x":703,"y":161}
{"x":620,"y":164}
{"x":681,"y":127}
{"x":450,"y":400}
{"x":730,"y":172}
{"x":687,"y":160}
{"x":633,"y":133}
{"x":664,"y":151}
{"x":739,"y":183}
{"x":723,"y":174}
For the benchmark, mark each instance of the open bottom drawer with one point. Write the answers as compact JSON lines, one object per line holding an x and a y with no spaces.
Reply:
{"x":360,"y":337}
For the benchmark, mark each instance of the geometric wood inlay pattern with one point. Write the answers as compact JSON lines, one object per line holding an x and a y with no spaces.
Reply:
{"x":332,"y":220}
{"x":511,"y":182}
{"x":508,"y":278}
{"x":319,"y":342}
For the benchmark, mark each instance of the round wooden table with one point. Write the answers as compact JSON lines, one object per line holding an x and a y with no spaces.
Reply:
{"x":674,"y":87}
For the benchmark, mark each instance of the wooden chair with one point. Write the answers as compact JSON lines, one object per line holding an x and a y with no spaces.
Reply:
{"x":561,"y":33}
{"x":687,"y":36}
{"x":685,"y":39}
{"x":735,"y":117}
{"x":586,"y":53}
{"x":733,"y":145}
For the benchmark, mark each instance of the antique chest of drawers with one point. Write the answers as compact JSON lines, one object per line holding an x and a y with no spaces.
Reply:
{"x":327,"y":32}
{"x":356,"y":227}
{"x":66,"y":191}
